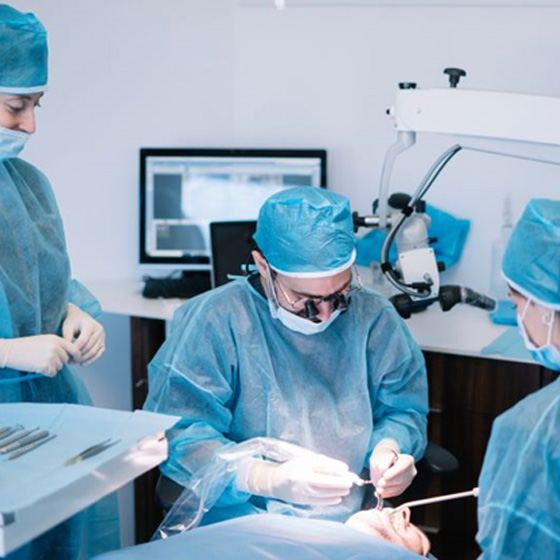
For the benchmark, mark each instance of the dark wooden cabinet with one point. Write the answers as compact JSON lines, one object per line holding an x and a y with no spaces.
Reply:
{"x":466,"y":395}
{"x":147,"y":335}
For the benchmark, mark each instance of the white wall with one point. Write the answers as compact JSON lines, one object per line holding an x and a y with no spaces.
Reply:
{"x":125,"y":74}
{"x":322,"y":73}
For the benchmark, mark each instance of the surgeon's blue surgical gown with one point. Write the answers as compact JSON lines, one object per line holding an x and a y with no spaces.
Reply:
{"x":519,"y":502}
{"x":35,"y":289}
{"x":233,"y":373}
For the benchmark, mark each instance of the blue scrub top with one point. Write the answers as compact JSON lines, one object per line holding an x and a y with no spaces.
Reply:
{"x":518,"y":510}
{"x":233,"y":373}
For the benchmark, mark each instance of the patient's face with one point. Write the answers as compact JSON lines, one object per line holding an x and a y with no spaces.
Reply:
{"x":393,"y":527}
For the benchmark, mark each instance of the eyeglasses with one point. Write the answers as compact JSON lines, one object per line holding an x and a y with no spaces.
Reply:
{"x":308,"y":307}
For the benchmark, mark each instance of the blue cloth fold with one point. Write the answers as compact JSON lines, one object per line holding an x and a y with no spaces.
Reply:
{"x":451,"y":234}
{"x":505,"y":313}
{"x":509,"y":344}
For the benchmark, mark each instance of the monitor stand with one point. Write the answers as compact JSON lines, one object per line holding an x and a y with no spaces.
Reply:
{"x":189,"y":284}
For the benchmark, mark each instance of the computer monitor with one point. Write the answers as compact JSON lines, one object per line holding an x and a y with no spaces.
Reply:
{"x":183,"y":190}
{"x":232,"y":243}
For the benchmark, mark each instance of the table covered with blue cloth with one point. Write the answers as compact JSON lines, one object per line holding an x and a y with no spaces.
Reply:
{"x":267,"y":536}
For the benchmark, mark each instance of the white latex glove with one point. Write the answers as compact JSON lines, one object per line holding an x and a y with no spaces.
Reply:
{"x":44,"y":353}
{"x":309,"y":480}
{"x":391,"y":471}
{"x":86,"y":333}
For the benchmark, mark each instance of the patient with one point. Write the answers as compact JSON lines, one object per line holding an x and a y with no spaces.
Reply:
{"x":393,"y":527}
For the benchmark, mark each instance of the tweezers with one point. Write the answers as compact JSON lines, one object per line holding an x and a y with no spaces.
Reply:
{"x":379,"y":504}
{"x":18,"y":435}
{"x":91,"y":451}
{"x":30,"y":447}
{"x":27,"y":440}
{"x":7,"y":431}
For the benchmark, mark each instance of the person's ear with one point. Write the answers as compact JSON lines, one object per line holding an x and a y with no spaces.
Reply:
{"x":260,"y":262}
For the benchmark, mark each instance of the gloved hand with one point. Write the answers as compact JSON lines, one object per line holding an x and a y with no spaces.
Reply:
{"x":44,"y":353}
{"x":312,"y":479}
{"x":86,"y":333}
{"x":391,"y":471}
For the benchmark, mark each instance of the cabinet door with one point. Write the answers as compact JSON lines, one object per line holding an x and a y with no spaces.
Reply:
{"x":466,"y":395}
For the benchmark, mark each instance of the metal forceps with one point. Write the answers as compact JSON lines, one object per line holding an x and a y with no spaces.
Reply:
{"x":379,"y":504}
{"x":91,"y":451}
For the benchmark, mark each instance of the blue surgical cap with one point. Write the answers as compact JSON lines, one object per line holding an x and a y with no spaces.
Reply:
{"x":23,"y":52}
{"x":531,"y":263}
{"x":306,"y":232}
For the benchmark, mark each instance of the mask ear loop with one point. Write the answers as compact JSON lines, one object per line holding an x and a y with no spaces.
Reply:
{"x":549,"y":319}
{"x":271,"y":295}
{"x":525,"y":308}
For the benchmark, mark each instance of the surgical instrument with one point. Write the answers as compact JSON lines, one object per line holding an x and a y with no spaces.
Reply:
{"x":362,"y":482}
{"x":29,"y":447}
{"x":91,"y":451}
{"x":17,"y":435}
{"x":22,"y":442}
{"x":436,"y":499}
{"x":7,"y":431}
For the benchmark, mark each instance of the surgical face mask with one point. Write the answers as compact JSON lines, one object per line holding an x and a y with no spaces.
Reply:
{"x":547,"y":355}
{"x":11,"y":142}
{"x":292,"y":321}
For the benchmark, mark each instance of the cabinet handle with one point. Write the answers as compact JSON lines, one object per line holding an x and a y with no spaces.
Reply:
{"x":140,"y":383}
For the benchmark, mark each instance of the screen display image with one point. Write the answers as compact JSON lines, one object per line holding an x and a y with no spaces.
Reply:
{"x":183,"y":190}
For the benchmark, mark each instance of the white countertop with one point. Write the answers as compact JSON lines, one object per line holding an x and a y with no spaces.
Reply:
{"x":124,"y":297}
{"x":463,"y":330}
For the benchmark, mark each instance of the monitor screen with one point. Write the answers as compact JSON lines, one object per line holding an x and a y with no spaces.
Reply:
{"x":232,"y":243}
{"x":183,"y":190}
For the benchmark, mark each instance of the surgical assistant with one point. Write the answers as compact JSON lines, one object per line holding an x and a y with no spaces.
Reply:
{"x":300,"y":353}
{"x":518,"y":514}
{"x":46,"y":319}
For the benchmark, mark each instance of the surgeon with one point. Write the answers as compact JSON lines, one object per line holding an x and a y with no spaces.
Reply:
{"x":519,"y":513}
{"x":298,"y":352}
{"x":46,"y":318}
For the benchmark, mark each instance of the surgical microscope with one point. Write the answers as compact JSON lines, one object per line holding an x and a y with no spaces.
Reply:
{"x":523,"y":119}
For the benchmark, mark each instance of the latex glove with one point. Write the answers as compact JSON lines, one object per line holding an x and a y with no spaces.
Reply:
{"x":86,"y":333}
{"x":44,"y":353}
{"x":308,"y":480}
{"x":390,"y":470}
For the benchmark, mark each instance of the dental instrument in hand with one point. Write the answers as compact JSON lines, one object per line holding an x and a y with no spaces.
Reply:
{"x":22,"y":442}
{"x":362,"y":482}
{"x":91,"y":451}
{"x":436,"y":499}
{"x":30,"y":447}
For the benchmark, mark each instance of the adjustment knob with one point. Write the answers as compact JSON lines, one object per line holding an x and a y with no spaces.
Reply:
{"x":455,"y":74}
